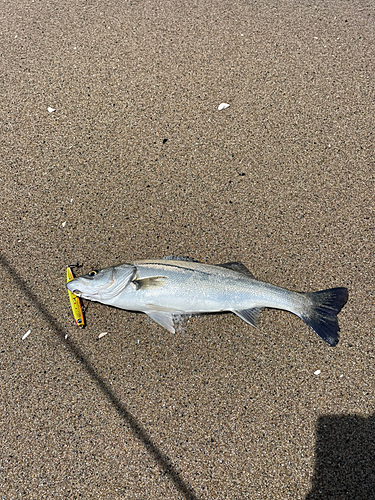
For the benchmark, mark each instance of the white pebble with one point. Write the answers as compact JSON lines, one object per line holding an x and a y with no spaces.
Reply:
{"x":51,"y":110}
{"x":26,"y":334}
{"x":318,"y":372}
{"x":223,"y":105}
{"x":102,"y":335}
{"x":63,"y":224}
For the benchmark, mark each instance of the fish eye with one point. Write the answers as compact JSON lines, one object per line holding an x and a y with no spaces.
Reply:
{"x":93,"y":273}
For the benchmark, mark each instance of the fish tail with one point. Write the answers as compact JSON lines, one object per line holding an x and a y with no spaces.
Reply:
{"x":321,"y":313}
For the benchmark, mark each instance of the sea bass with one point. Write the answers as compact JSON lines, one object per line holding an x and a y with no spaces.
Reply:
{"x":172,"y":287}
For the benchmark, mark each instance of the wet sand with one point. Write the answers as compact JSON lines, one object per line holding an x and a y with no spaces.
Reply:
{"x":134,"y":160}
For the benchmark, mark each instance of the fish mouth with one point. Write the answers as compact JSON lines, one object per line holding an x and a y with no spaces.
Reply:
{"x":78,"y":293}
{"x":75,"y":291}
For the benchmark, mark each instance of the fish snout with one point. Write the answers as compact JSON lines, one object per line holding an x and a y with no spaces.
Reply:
{"x":71,"y":286}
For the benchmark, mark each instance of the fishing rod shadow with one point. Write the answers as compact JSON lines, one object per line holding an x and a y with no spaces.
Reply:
{"x":139,"y":432}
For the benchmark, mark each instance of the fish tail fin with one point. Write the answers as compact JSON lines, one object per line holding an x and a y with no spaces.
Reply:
{"x":321,"y":313}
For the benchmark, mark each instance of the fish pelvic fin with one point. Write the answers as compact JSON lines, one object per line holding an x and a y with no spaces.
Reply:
{"x":251,"y":316}
{"x":321,"y":313}
{"x":164,"y":319}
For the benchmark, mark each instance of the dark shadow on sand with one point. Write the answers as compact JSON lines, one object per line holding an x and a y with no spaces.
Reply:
{"x":139,"y":432}
{"x":345,"y":459}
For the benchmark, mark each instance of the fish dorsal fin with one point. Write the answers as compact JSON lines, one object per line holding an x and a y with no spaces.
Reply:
{"x":251,"y":316}
{"x":150,"y":282}
{"x":174,"y":257}
{"x":238,"y":267}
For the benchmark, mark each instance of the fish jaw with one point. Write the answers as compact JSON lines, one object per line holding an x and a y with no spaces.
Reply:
{"x":78,"y":288}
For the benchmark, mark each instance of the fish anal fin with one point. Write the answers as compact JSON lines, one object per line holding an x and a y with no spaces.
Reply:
{"x":164,"y":319}
{"x":238,"y":267}
{"x":151,"y":282}
{"x":251,"y":316}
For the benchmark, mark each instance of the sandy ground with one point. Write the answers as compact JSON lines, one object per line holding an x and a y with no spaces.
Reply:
{"x":135,"y":161}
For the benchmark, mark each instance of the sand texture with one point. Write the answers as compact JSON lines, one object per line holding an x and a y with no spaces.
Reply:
{"x":113,"y":149}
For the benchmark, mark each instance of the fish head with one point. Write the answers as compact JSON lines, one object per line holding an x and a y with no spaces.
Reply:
{"x":102,"y":284}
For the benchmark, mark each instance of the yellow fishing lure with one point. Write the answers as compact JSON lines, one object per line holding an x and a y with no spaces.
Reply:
{"x":75,"y":301}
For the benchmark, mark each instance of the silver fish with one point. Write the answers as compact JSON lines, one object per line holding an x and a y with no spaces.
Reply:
{"x":172,"y":287}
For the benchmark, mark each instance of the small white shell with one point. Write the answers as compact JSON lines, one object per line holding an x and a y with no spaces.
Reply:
{"x":317,"y":372}
{"x":102,"y":335}
{"x":63,"y":224}
{"x":223,"y":105}
{"x":51,"y":110}
{"x":26,"y":334}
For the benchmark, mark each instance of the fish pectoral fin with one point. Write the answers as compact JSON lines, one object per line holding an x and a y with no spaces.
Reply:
{"x":251,"y":316}
{"x":238,"y":267}
{"x":165,"y":319}
{"x":151,"y":282}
